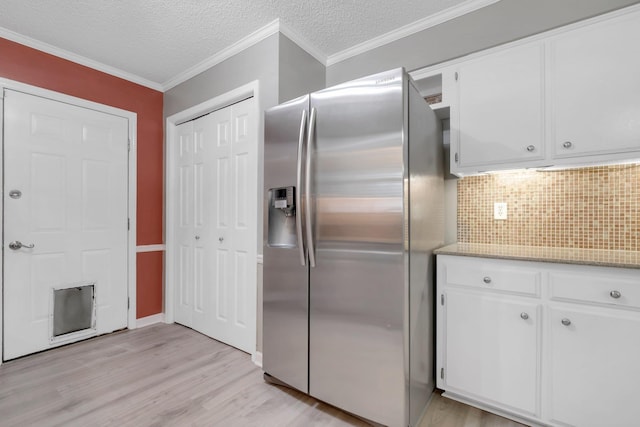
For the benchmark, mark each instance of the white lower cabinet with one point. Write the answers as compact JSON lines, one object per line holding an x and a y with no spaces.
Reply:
{"x":492,"y":348}
{"x":562,"y":351}
{"x":594,"y":367}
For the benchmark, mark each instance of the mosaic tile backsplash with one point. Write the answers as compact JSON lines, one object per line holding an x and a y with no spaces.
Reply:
{"x":589,"y":208}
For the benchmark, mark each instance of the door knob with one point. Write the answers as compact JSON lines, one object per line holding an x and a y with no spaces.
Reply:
{"x":197,"y":237}
{"x":17,"y":244}
{"x":221,"y":239}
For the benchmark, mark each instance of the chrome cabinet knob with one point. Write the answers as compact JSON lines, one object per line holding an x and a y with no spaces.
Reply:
{"x":221,"y":239}
{"x":524,"y":316}
{"x":15,"y":194}
{"x":567,"y":144}
{"x":486,"y":279}
{"x":565,"y":322}
{"x":615,"y":294}
{"x":17,"y":244}
{"x":531,"y":148}
{"x":197,"y":237}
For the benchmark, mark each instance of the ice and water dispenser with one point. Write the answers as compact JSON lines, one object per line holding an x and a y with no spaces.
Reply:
{"x":282,"y":218}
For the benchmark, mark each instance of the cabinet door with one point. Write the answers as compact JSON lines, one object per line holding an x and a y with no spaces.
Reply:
{"x":500,"y":117}
{"x":594,"y":367}
{"x":595,"y":107}
{"x":492,"y":349}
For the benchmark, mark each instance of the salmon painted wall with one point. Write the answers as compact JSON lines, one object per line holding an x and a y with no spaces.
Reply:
{"x":31,"y":66}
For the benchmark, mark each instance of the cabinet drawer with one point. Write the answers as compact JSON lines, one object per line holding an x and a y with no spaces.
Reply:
{"x":489,"y":274}
{"x":597,"y":287}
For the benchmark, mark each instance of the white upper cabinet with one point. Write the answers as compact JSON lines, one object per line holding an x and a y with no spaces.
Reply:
{"x":595,"y":89}
{"x":564,"y":98}
{"x":499,"y":116}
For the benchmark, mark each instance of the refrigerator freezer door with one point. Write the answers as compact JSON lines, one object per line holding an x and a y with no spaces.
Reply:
{"x":285,"y":279}
{"x":357,"y":288}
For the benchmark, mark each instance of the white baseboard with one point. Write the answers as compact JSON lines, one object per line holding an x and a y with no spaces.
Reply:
{"x":257,"y":359}
{"x":150,"y":320}
{"x":523,"y":419}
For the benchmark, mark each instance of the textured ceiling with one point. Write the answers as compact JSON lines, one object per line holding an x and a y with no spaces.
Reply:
{"x":159,"y":39}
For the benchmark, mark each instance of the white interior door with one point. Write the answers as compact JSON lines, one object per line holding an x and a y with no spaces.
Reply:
{"x":70,"y":167}
{"x":183,"y":228}
{"x":193,"y":230}
{"x":216,"y":230}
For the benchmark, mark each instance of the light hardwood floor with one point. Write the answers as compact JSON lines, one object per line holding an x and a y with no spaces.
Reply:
{"x":169,"y":375}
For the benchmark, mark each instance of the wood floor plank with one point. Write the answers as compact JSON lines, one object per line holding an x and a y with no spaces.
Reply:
{"x":169,"y":375}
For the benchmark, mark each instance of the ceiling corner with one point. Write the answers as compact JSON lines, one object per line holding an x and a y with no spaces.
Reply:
{"x":244,"y":43}
{"x":303,"y":43}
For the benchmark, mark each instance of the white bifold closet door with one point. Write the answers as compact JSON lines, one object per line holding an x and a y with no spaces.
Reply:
{"x":215,"y":234}
{"x":65,"y":223}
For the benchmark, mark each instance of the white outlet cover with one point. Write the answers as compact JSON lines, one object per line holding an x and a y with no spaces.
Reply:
{"x":499,"y":211}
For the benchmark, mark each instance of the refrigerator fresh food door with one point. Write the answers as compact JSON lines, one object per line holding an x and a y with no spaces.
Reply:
{"x":285,"y":278}
{"x":357,"y":287}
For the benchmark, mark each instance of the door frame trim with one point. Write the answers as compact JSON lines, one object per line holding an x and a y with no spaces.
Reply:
{"x":241,"y":93}
{"x":132,"y":118}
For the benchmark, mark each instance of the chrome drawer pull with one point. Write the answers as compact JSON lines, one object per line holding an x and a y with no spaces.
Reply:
{"x":566,"y":322}
{"x":524,"y":316}
{"x":615,"y":294}
{"x":486,"y":279}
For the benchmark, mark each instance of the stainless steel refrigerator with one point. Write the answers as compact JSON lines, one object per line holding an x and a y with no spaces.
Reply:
{"x":353,"y":209}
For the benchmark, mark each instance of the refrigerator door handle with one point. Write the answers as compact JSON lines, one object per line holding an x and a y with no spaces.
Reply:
{"x":307,"y":190}
{"x":299,"y":213}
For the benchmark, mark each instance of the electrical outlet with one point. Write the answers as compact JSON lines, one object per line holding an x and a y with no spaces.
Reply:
{"x":499,"y":211}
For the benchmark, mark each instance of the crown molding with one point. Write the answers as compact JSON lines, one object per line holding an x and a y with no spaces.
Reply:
{"x":78,"y":59}
{"x":548,"y":35}
{"x":417,"y":26}
{"x":226,"y":53}
{"x":303,"y":43}
{"x":257,"y":36}
{"x":253,"y":38}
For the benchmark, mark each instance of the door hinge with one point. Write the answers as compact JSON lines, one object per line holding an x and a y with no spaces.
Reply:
{"x":128,"y":224}
{"x":442,"y":299}
{"x":128,"y":303}
{"x":129,"y":145}
{"x":455,"y":157}
{"x":442,"y":373}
